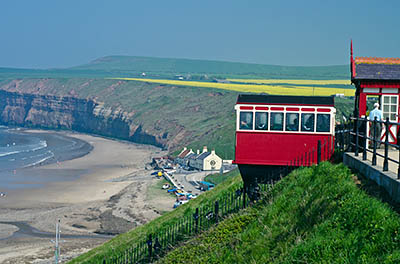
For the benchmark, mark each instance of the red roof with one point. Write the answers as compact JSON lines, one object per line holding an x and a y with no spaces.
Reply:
{"x":183,"y":154}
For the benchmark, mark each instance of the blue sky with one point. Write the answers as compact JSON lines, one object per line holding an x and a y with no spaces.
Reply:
{"x":63,"y":33}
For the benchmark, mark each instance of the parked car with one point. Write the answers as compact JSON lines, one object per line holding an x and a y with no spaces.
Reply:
{"x":166,"y":186}
{"x":205,"y":186}
{"x":178,"y":203}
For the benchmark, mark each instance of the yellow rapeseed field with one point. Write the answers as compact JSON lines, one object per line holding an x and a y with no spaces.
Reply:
{"x":302,"y":82}
{"x":258,"y":88}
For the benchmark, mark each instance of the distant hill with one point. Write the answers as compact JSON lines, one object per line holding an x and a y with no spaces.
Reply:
{"x":131,"y":66}
{"x":210,"y":67}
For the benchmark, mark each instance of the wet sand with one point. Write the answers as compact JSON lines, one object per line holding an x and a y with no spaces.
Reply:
{"x":105,"y":195}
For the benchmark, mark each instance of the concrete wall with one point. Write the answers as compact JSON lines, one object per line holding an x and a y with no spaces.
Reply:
{"x":387,"y":179}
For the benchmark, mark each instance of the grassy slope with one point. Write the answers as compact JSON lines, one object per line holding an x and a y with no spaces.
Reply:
{"x":124,"y":241}
{"x":315,"y":215}
{"x":218,"y":178}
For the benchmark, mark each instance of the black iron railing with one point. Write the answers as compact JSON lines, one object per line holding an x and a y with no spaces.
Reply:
{"x":361,"y":136}
{"x":156,"y":244}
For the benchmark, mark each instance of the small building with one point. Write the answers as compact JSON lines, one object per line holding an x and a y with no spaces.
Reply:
{"x":180,"y":159}
{"x":207,"y":161}
{"x":379,"y":79}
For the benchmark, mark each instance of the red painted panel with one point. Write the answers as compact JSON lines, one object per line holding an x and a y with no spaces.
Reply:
{"x":308,"y":109}
{"x":380,"y":85}
{"x":292,"y":109}
{"x":277,"y":108}
{"x":362,"y":105}
{"x":287,"y":104}
{"x":246,"y":108}
{"x":323,"y":110}
{"x":261,"y":108}
{"x":280,"y":148}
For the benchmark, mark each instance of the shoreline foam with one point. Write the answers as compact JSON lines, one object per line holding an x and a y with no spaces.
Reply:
{"x":91,"y":202}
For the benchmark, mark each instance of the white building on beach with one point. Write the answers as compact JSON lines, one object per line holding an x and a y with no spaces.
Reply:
{"x":206,"y":160}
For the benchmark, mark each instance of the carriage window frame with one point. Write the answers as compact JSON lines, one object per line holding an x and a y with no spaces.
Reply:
{"x":318,"y":123}
{"x":285,"y":114}
{"x":286,"y":121}
{"x":255,"y":121}
{"x":271,"y":126}
{"x":251,"y":126}
{"x":302,"y":125}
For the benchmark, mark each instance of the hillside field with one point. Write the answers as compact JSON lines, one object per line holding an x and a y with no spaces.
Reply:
{"x":276,"y":87}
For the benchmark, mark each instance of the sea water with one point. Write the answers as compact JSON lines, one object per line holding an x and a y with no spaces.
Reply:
{"x":22,"y":153}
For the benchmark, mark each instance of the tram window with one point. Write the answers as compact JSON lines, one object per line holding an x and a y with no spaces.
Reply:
{"x":246,"y":120}
{"x":307,"y":122}
{"x":277,"y":121}
{"x":261,"y":121}
{"x":292,"y":122}
{"x":323,"y":123}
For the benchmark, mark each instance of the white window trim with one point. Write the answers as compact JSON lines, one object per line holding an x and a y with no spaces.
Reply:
{"x":332,"y":114}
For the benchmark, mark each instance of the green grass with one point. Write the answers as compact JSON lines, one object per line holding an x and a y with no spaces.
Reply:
{"x":124,"y":241}
{"x":218,"y":178}
{"x":155,"y":190}
{"x":315,"y":215}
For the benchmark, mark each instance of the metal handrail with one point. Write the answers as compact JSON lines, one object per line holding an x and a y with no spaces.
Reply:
{"x":359,"y":139}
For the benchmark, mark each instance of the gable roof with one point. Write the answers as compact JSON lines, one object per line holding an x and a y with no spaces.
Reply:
{"x":204,"y":155}
{"x":183,"y":154}
{"x":373,"y":68}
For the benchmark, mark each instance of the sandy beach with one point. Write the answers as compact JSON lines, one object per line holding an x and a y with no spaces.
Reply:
{"x":108,"y":197}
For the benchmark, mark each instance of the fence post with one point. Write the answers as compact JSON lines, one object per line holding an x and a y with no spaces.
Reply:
{"x":385,"y":161}
{"x":319,"y":152}
{"x":342,"y":138}
{"x":374,"y":140}
{"x":305,"y":159}
{"x":364,"y":157}
{"x":356,"y":124}
{"x":244,"y":194}
{"x":196,"y":219}
{"x":150,"y":246}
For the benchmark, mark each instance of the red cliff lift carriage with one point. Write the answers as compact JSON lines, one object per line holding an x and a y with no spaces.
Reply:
{"x":274,"y":131}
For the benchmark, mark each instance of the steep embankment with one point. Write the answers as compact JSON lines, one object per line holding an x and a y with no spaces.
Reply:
{"x":315,"y":215}
{"x":166,"y":116}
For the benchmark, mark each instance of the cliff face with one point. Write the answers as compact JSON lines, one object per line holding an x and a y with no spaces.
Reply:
{"x":84,"y":115}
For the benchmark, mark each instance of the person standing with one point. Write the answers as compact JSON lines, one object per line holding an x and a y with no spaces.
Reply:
{"x":379,"y":117}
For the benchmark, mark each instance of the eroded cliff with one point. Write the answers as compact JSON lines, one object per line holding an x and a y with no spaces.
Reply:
{"x":83,"y":115}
